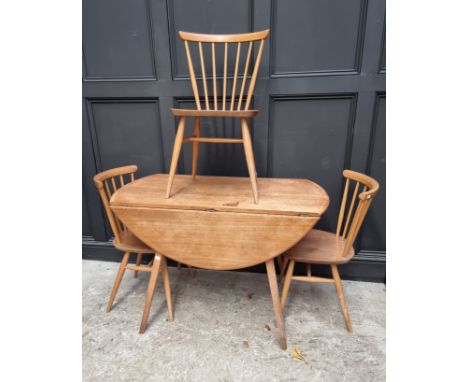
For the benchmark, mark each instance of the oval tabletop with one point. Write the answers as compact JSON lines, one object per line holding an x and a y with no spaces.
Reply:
{"x":213,"y":223}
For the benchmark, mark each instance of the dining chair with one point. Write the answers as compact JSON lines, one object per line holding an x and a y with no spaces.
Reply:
{"x":229,"y":103}
{"x":107,"y":182}
{"x":321,"y":247}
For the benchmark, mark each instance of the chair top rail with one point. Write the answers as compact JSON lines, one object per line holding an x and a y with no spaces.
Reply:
{"x":372,"y":185}
{"x":240,"y":37}
{"x":104,"y":175}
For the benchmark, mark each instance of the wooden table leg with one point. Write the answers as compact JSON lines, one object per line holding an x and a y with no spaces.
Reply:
{"x":270,"y":265}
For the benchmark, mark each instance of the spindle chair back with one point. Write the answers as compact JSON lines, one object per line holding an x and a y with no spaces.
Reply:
{"x":108,"y":182}
{"x":215,"y":98}
{"x":206,"y":45}
{"x":351,"y":215}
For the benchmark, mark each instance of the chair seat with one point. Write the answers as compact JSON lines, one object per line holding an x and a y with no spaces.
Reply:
{"x":130,"y":243}
{"x":214,"y":113}
{"x":320,"y":247}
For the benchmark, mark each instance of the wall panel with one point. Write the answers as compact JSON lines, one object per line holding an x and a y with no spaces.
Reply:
{"x":316,"y":37}
{"x":320,"y":95}
{"x":118,"y":39}
{"x":127,"y":132}
{"x":315,"y":146}
{"x":374,"y":228}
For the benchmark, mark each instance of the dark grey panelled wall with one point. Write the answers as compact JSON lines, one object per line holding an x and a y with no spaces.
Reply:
{"x":320,"y":92}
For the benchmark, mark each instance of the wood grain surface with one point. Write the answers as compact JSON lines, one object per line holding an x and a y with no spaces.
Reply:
{"x":295,"y":197}
{"x":212,"y":222}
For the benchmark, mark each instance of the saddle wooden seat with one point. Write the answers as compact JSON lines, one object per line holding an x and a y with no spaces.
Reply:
{"x":130,"y":243}
{"x":321,"y":247}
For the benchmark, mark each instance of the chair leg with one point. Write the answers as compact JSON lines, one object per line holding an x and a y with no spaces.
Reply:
{"x":195,"y":148}
{"x":280,"y":261}
{"x":341,"y":297}
{"x":175,"y":154}
{"x":151,"y":262}
{"x":287,"y":283}
{"x":283,"y":269}
{"x":191,"y":271}
{"x":150,"y":291}
{"x":138,"y":262}
{"x":118,"y":279}
{"x":309,"y":270}
{"x":249,"y":156}
{"x":270,"y":265}
{"x":167,"y":288}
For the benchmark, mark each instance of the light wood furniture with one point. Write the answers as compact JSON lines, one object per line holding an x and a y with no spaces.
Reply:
{"x":107,"y":183}
{"x":213,"y":223}
{"x":229,"y":103}
{"x":320,"y":247}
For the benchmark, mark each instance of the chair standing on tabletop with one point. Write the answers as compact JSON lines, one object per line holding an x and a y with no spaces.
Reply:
{"x":224,"y":107}
{"x":126,"y":242}
{"x":320,"y":247}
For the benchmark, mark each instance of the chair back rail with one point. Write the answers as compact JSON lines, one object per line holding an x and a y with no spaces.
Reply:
{"x":242,"y":42}
{"x":106,"y":184}
{"x":352,"y":214}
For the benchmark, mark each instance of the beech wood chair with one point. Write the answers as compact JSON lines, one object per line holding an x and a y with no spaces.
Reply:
{"x":106,"y":183}
{"x":224,"y":105}
{"x":321,"y":247}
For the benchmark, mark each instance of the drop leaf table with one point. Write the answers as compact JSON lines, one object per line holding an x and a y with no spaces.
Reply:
{"x":213,"y":223}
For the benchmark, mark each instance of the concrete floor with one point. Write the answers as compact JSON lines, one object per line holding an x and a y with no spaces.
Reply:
{"x":221,"y":330}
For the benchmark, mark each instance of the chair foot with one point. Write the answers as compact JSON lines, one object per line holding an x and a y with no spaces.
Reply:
{"x":341,"y":297}
{"x":118,"y":279}
{"x":150,"y":291}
